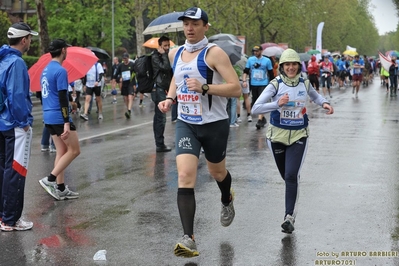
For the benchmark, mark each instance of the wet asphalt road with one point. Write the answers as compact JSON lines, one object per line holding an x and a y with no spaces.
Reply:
{"x":348,"y":206}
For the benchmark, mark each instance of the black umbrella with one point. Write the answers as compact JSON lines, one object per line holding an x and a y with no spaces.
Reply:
{"x":232,"y":50}
{"x":224,"y":37}
{"x":100,"y":53}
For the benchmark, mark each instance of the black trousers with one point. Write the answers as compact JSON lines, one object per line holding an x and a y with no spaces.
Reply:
{"x":159,"y":121}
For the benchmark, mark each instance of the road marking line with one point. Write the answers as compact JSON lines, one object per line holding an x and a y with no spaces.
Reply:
{"x":115,"y":131}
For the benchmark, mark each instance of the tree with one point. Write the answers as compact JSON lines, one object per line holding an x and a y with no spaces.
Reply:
{"x":42,"y":23}
{"x":4,"y":25}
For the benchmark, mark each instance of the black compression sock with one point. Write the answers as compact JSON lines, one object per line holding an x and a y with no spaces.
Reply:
{"x":61,"y":187}
{"x":51,"y":178}
{"x":224,"y":187}
{"x":186,"y":206}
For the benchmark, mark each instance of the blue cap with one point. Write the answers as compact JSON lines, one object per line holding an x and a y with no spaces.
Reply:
{"x":194,"y":13}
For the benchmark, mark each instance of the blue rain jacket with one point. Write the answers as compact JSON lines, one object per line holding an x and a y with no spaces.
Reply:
{"x":14,"y":87}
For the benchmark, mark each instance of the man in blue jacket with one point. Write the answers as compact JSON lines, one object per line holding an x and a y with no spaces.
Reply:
{"x":15,"y":127}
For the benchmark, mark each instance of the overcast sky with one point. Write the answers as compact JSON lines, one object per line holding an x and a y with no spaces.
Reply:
{"x":385,"y":16}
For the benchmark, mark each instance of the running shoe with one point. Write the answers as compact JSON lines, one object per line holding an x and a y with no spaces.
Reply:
{"x":288,"y":225}
{"x":227,"y":214}
{"x":239,"y":120}
{"x":53,"y":149}
{"x":20,"y":225}
{"x":84,"y":117}
{"x":141,"y":105}
{"x":100,"y":116}
{"x":45,"y":148}
{"x":186,"y":247}
{"x":234,"y":125}
{"x":261,"y":123}
{"x":249,"y":118}
{"x":67,"y":194}
{"x":127,"y":114}
{"x":50,"y":187}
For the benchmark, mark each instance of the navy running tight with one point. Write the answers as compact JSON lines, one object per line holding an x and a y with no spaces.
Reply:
{"x":289,"y":160}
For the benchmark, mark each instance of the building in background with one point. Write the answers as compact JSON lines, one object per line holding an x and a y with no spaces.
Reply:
{"x":17,"y":10}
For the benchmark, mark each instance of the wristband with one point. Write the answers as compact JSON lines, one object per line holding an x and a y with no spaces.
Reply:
{"x":170,"y":98}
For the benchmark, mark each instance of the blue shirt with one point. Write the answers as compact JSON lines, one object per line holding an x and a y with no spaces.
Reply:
{"x":341,"y":65}
{"x":54,"y":79}
{"x":259,"y":75}
{"x":358,"y":70}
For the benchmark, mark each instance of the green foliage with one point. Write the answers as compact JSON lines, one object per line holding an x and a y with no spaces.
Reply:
{"x":88,"y":22}
{"x":30,"y":60}
{"x":4,"y":25}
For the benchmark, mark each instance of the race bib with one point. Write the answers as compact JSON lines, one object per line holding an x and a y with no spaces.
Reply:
{"x":292,"y":113}
{"x":258,"y":74}
{"x":91,"y":78}
{"x":190,"y":105}
{"x":126,"y":75}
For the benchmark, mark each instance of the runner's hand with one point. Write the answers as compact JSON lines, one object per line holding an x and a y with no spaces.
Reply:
{"x":329,"y":108}
{"x":164,"y":106}
{"x":283,"y":99}
{"x":193,"y":85}
{"x":67,"y":129}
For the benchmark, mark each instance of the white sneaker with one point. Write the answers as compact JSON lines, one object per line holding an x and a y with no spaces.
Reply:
{"x":249,"y":118}
{"x":67,"y":194}
{"x":100,"y":116}
{"x":20,"y":225}
{"x":234,"y":125}
{"x":49,"y":187}
{"x":239,"y":120}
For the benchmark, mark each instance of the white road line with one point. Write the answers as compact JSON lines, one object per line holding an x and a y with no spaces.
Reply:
{"x":115,"y":131}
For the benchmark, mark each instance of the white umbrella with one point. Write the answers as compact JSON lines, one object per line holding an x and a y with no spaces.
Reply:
{"x":273,"y":51}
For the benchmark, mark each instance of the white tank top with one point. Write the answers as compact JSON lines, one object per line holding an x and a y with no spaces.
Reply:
{"x":194,"y":108}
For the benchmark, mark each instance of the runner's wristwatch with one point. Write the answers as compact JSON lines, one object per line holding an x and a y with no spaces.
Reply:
{"x":205,"y":88}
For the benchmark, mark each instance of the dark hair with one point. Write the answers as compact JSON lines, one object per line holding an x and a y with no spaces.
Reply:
{"x":15,"y":41}
{"x":163,"y":39}
{"x":55,"y":53}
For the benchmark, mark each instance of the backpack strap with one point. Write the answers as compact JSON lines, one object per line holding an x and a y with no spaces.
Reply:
{"x":209,"y":72}
{"x":275,"y":82}
{"x":95,"y":66}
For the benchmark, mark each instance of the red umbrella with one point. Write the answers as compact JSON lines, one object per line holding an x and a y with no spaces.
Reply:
{"x":78,"y":61}
{"x":268,"y":44}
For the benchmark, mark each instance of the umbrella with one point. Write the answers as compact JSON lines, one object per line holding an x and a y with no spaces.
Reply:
{"x":273,"y":51}
{"x":268,"y":44}
{"x":232,"y":50}
{"x":350,"y":52}
{"x":165,"y":23}
{"x":100,"y":53}
{"x":394,"y":53}
{"x":224,"y":37}
{"x":153,"y":43}
{"x":312,"y":51}
{"x":242,"y":62}
{"x":78,"y":61}
{"x":304,"y":56}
